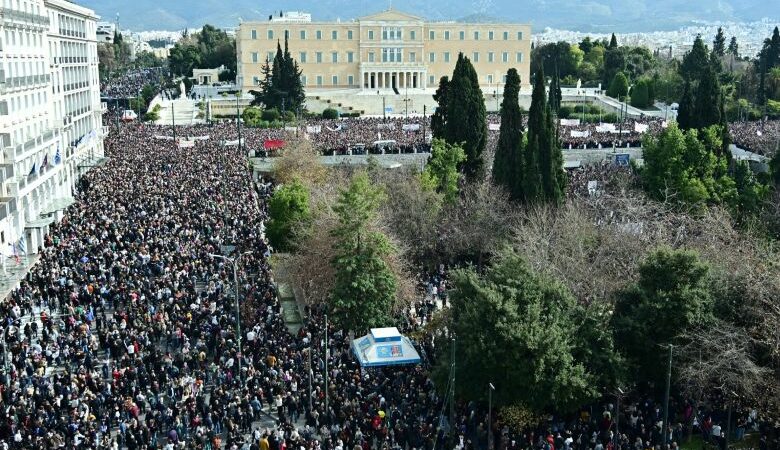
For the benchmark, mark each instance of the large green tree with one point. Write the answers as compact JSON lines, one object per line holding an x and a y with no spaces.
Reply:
{"x":508,"y":162}
{"x":671,"y":296}
{"x":518,"y":330}
{"x":719,"y":44}
{"x":466,"y":117}
{"x":618,"y":88}
{"x":364,"y":290}
{"x":281,"y":87}
{"x":439,"y":117}
{"x":287,"y":209}
{"x":442,"y":168}
{"x":543,"y":162}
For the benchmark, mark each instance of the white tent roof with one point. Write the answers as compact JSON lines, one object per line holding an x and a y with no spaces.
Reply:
{"x":384,"y":347}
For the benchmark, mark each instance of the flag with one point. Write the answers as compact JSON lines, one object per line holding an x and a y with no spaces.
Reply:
{"x":32,"y":171}
{"x":45,"y":162}
{"x":57,"y":156}
{"x":16,"y":255}
{"x":23,"y":245}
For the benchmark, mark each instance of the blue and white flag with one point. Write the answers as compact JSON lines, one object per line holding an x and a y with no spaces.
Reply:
{"x":57,"y":156}
{"x":23,"y":245}
{"x":32,"y":171}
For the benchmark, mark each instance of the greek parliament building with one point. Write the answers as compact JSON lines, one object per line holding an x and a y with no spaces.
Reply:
{"x":390,"y":50}
{"x":50,"y":117}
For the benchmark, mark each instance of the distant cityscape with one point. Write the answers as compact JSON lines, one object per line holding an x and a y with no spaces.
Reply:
{"x":750,"y":37}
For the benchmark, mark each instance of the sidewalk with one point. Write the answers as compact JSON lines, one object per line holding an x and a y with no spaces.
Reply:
{"x":15,"y":273}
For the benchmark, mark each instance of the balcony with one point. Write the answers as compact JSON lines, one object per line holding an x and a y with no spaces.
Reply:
{"x":6,"y":172}
{"x":8,"y":15}
{"x":44,"y":138}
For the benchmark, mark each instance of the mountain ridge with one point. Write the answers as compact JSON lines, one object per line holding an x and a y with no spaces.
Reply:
{"x":577,"y":15}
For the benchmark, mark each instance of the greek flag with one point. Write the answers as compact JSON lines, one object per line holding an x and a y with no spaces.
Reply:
{"x":23,"y":245}
{"x":57,"y":156}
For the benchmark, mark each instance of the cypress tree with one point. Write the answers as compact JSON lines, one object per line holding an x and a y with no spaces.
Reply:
{"x":532,"y":177}
{"x":439,"y":117}
{"x":613,"y":42}
{"x":466,"y":117}
{"x":706,"y":104}
{"x":685,"y":110}
{"x":734,"y":47}
{"x":719,"y":44}
{"x":555,"y":95}
{"x":265,"y":85}
{"x":508,"y":162}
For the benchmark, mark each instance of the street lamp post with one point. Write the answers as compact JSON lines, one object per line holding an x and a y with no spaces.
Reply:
{"x":238,"y":120}
{"x":234,"y":262}
{"x":664,"y":443}
{"x":491,"y":388}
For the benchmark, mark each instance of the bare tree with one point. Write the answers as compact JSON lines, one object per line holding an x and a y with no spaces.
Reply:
{"x":299,"y":160}
{"x":479,"y":224}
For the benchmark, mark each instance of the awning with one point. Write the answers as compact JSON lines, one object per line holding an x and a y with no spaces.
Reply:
{"x":384,"y":347}
{"x":273,"y":144}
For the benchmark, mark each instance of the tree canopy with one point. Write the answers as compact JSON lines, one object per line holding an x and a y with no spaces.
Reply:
{"x":364,"y":290}
{"x":514,"y":328}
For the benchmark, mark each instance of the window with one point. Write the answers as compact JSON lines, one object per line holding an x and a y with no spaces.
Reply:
{"x":490,"y":35}
{"x":350,"y":57}
{"x":519,"y":35}
{"x":254,"y":34}
{"x":319,"y":57}
{"x":302,"y":57}
{"x":476,"y":35}
{"x":334,"y":57}
{"x":503,"y":79}
{"x":371,"y":35}
{"x":462,"y":35}
{"x":490,"y":79}
{"x":270,"y":34}
{"x":505,"y":57}
{"x":303,"y":35}
{"x":431,"y":35}
{"x":447,"y":35}
{"x":506,"y":35}
{"x":334,"y":35}
{"x":287,"y":34}
{"x":431,"y":79}
{"x":413,"y":35}
{"x":391,"y":34}
{"x":303,"y":80}
{"x":432,"y":57}
{"x":270,"y":56}
{"x":490,"y":57}
{"x":349,"y":34}
{"x":255,"y":80}
{"x":254,"y":57}
{"x":350,"y":80}
{"x":319,"y":80}
{"x":519,"y":57}
{"x":335,"y":80}
{"x":412,"y":57}
{"x":446,"y":57}
{"x":392,"y":55}
{"x":319,"y":34}
{"x":370,"y":56}
{"x":475,"y":57}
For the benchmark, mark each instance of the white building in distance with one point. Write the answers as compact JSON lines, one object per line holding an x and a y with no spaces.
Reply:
{"x":50,"y":115}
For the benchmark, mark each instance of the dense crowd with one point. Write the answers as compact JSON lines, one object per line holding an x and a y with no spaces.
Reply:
{"x":124,"y":334}
{"x":130,"y":82}
{"x":762,"y":137}
{"x":362,"y":135}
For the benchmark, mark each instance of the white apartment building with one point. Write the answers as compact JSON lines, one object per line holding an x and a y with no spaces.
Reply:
{"x":50,"y":114}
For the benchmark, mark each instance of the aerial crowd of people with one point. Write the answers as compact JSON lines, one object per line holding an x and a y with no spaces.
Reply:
{"x":124,"y":335}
